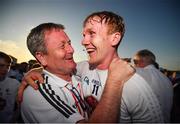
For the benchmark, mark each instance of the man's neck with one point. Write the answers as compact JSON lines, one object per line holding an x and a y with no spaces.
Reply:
{"x":105,"y":64}
{"x":66,"y":77}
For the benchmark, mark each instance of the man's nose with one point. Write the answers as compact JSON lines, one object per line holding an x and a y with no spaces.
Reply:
{"x":70,"y":49}
{"x":85,"y":41}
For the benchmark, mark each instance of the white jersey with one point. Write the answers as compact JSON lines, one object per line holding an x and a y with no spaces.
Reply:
{"x":161,"y":86}
{"x":8,"y":93}
{"x":138,"y":103}
{"x":56,"y":101}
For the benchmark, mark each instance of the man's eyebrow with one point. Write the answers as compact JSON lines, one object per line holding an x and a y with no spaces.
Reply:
{"x":89,"y":30}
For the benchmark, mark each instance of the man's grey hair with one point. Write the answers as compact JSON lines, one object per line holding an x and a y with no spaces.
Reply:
{"x":36,"y":38}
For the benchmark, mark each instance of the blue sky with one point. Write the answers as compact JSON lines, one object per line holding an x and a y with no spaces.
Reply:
{"x":150,"y":24}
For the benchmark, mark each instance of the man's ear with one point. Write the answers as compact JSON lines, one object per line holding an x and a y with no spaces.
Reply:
{"x":115,"y":38}
{"x":41,"y":57}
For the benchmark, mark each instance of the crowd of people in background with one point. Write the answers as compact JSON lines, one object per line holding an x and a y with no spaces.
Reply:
{"x":11,"y":75}
{"x":173,"y":75}
{"x":18,"y":70}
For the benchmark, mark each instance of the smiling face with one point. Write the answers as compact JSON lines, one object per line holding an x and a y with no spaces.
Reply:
{"x":59,"y":58}
{"x":98,"y":42}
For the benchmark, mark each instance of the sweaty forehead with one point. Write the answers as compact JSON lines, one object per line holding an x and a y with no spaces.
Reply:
{"x":96,"y":27}
{"x":95,"y":20}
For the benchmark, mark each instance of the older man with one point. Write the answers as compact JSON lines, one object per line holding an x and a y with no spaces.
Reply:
{"x":146,"y":64}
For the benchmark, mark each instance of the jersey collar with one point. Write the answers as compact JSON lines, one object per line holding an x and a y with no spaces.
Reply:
{"x":53,"y":79}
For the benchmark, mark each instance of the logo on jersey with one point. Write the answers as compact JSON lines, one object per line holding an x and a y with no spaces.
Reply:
{"x":96,"y":82}
{"x":86,"y":79}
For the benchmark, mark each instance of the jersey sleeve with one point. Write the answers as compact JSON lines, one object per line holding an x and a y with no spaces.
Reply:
{"x":40,"y":107}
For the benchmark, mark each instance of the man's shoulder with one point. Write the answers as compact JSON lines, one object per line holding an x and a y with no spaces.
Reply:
{"x":13,"y":83}
{"x":29,"y":92}
{"x":133,"y":93}
{"x":136,"y":79}
{"x":134,"y":85}
{"x":39,"y":97}
{"x":12,"y":80}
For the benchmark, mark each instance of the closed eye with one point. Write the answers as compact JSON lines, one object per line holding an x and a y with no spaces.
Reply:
{"x":69,"y":42}
{"x":91,"y":32}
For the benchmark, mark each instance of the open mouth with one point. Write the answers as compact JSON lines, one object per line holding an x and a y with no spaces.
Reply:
{"x":90,"y":50}
{"x":69,"y":58}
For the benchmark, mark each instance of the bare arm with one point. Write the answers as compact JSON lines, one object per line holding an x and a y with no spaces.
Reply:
{"x":119,"y":72}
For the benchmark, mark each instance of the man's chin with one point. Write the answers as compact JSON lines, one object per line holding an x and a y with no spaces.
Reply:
{"x":73,"y":66}
{"x":93,"y":64}
{"x":72,"y":70}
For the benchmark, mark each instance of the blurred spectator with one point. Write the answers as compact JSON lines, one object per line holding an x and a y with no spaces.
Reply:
{"x":147,"y":67}
{"x":8,"y":91}
{"x":175,"y":118}
{"x":144,"y":58}
{"x":31,"y":63}
{"x":23,"y":68}
{"x":36,"y":65}
{"x":14,"y":71}
{"x":18,"y":70}
{"x":127,"y":60}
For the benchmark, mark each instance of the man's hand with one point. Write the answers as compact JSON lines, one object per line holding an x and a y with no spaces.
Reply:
{"x":29,"y":79}
{"x":120,"y":71}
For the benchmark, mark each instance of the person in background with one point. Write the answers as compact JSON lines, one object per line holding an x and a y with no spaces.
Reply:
{"x":31,"y":63}
{"x":23,"y":68}
{"x":145,"y":61}
{"x":60,"y":97}
{"x":36,"y":65}
{"x":18,"y":70}
{"x":175,"y":114}
{"x":9,"y":110}
{"x":102,"y":34}
{"x":14,"y":71}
